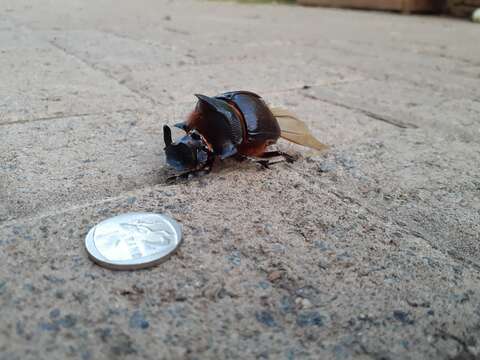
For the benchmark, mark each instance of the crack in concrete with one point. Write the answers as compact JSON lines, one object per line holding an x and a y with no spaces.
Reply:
{"x":387,"y":221}
{"x":177,"y":31}
{"x":448,"y":253}
{"x":465,"y":354}
{"x":159,"y":175}
{"x":45,"y":214}
{"x":103,"y":71}
{"x":384,"y":118}
{"x":64,"y":116}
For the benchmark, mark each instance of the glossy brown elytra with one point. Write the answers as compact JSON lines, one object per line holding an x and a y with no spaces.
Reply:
{"x":236,"y":123}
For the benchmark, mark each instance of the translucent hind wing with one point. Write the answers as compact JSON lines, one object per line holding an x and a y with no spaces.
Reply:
{"x":293,"y":129}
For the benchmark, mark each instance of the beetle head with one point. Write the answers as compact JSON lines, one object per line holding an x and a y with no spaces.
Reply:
{"x":188,"y":153}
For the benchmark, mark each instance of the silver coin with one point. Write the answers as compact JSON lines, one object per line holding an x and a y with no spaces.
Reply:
{"x":133,"y":240}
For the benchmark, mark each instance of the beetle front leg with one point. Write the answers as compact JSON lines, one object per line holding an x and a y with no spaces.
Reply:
{"x":197,"y":172}
{"x":188,"y":174}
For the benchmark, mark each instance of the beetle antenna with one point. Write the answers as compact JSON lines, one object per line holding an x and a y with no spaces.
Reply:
{"x":167,"y":135}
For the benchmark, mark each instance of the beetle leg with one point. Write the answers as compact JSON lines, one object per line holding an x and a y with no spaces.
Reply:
{"x":186,"y":175}
{"x":265,"y":163}
{"x":240,"y":157}
{"x":269,"y":154}
{"x":174,"y":178}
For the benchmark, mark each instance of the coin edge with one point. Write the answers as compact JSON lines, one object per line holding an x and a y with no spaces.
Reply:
{"x":95,"y":255}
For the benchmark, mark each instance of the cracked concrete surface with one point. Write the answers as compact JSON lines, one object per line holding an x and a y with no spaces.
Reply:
{"x":368,"y":251}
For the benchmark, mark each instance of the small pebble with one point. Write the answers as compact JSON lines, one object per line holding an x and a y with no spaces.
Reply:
{"x":3,"y":287}
{"x":138,"y":321}
{"x":49,"y":327}
{"x":346,"y":161}
{"x":303,"y":303}
{"x":325,"y":167}
{"x":403,"y":317}
{"x":263,"y":285}
{"x":104,"y":333}
{"x":55,"y":313}
{"x":265,"y":318}
{"x":274,"y":276}
{"x":321,"y":245}
{"x":67,"y":322}
{"x":235,"y":258}
{"x":286,"y":305}
{"x":311,"y":318}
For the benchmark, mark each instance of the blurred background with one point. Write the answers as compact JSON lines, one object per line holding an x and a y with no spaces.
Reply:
{"x":459,"y":8}
{"x":368,"y":251}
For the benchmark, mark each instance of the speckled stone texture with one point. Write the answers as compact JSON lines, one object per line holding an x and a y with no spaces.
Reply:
{"x":368,"y":251}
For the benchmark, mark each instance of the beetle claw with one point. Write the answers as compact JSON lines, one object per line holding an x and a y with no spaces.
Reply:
{"x":264,"y":163}
{"x":289,"y":158}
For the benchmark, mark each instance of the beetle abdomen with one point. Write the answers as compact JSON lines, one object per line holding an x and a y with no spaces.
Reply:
{"x":260,"y":123}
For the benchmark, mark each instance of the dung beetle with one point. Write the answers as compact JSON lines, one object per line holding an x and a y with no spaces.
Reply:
{"x":236,"y":123}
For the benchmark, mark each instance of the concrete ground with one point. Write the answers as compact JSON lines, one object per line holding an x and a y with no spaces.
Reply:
{"x":369,"y":251}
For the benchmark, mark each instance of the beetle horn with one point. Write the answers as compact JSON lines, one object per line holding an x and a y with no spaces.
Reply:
{"x":212,"y":102}
{"x":167,"y":135}
{"x":218,"y":105}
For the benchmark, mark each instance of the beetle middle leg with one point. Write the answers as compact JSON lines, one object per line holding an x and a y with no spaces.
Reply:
{"x":269,"y":154}
{"x":264,"y":163}
{"x":197,"y":172}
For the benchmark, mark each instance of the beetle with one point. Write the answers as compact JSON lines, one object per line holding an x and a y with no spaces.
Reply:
{"x":233,"y":124}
